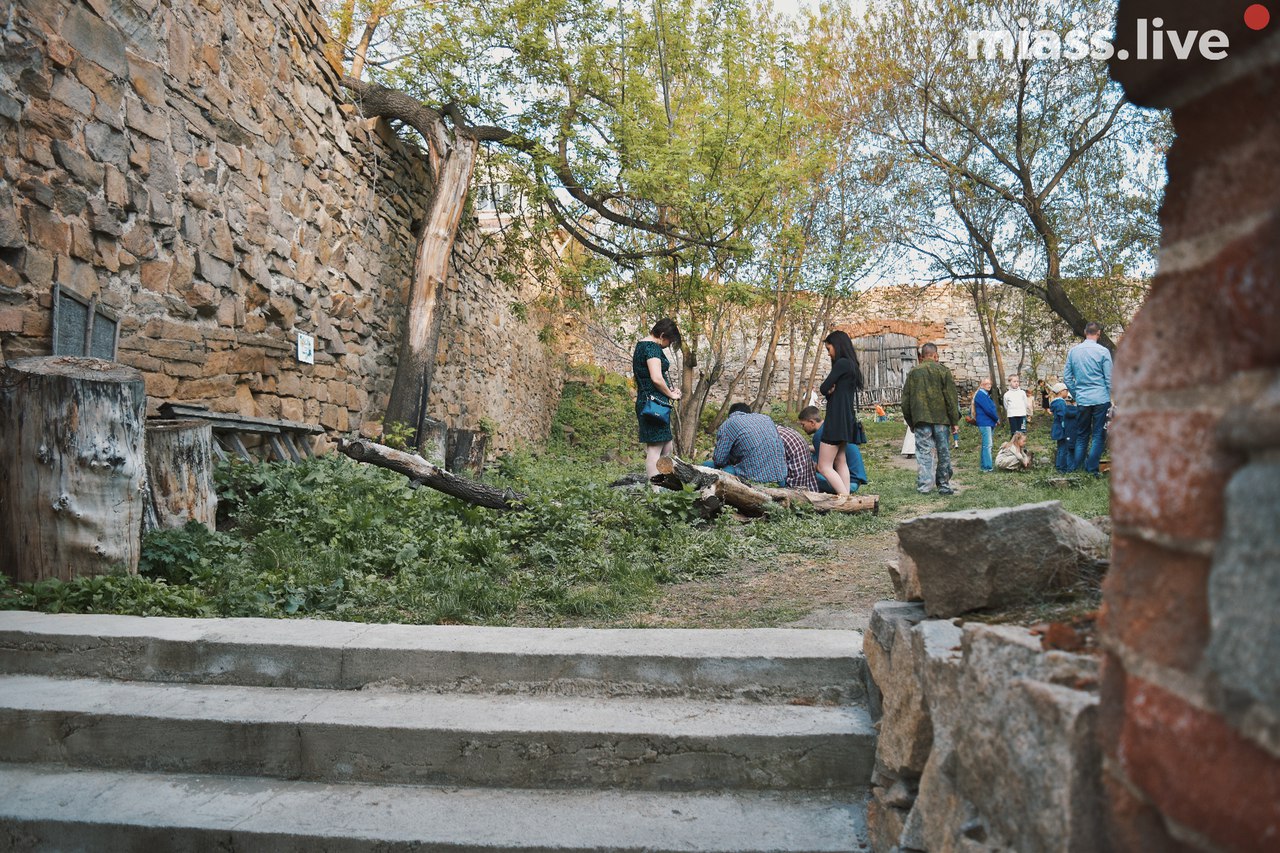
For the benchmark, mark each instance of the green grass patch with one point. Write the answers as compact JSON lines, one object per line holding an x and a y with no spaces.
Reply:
{"x":331,"y":538}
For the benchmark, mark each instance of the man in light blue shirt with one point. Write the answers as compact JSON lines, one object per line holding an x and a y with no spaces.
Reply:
{"x":749,"y":446}
{"x":1088,"y":378}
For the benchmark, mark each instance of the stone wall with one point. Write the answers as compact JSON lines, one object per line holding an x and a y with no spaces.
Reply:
{"x":196,"y":168}
{"x":987,"y":733}
{"x":1191,"y":687}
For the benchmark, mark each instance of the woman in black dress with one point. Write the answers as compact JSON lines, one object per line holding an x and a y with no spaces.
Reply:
{"x":649,"y":363}
{"x":840,"y":388}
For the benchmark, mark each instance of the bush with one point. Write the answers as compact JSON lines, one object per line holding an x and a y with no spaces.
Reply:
{"x":332,"y":538}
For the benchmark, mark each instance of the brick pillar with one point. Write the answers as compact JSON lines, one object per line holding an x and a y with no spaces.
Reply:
{"x":1191,"y":607}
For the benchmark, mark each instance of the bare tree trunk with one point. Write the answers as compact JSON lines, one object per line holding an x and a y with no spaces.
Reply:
{"x":72,"y":467}
{"x":362,"y":49}
{"x":180,"y":473}
{"x":411,"y":390}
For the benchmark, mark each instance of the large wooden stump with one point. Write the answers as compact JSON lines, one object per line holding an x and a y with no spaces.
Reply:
{"x":466,"y":449}
{"x":180,"y":473}
{"x":72,"y":467}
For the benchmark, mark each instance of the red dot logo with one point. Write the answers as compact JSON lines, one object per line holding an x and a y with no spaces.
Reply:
{"x":1257,"y":16}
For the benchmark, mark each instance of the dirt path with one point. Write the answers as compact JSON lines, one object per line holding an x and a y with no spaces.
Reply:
{"x":832,"y":586}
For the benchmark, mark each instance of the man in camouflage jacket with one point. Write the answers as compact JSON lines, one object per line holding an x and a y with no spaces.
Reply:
{"x":930,"y":407}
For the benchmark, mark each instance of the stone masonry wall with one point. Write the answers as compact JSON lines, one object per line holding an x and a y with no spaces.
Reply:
{"x":1190,"y":717}
{"x":196,"y":167}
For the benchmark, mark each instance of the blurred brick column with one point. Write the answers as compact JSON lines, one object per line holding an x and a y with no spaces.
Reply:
{"x":1191,"y":689}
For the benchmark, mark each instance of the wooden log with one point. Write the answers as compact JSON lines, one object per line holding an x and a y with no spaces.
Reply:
{"x":72,"y":467}
{"x":180,"y":473}
{"x":752,"y":498}
{"x":823,"y":502}
{"x":728,"y":488}
{"x":423,"y":472}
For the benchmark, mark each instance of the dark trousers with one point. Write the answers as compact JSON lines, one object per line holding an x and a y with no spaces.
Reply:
{"x":1017,"y":424}
{"x":1091,"y":436}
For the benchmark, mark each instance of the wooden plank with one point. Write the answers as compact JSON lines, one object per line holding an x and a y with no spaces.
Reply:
{"x":238,"y":446}
{"x":186,"y":410}
{"x":286,"y":438}
{"x":277,"y":447}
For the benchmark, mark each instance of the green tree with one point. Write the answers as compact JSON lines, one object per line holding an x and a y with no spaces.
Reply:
{"x":1030,"y":171}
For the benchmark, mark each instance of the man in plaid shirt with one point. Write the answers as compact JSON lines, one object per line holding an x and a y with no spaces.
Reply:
{"x":800,"y":471}
{"x":748,"y":445}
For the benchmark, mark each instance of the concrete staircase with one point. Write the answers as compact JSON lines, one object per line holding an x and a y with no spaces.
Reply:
{"x":125,"y":733}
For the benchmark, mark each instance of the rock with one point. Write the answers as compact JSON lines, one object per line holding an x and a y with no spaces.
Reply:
{"x":896,"y":665}
{"x":906,"y":580}
{"x":1015,"y":758}
{"x":884,"y":823}
{"x":1244,"y":587}
{"x":976,"y":559}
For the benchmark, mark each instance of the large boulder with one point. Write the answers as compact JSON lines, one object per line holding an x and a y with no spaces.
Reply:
{"x":991,"y":558}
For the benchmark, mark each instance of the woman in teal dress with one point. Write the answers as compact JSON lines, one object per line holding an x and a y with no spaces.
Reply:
{"x":649,"y":363}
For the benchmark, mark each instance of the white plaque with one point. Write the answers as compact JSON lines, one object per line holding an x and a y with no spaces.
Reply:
{"x":306,"y":349}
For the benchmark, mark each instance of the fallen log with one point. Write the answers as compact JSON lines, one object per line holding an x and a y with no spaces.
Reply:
{"x":752,"y":498}
{"x":420,"y":471}
{"x":823,"y":502}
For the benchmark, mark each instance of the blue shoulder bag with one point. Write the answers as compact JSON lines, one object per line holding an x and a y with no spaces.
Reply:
{"x":656,"y":411}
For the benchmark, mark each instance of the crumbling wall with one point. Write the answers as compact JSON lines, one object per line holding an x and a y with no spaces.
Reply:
{"x":1191,"y":687}
{"x":196,"y":168}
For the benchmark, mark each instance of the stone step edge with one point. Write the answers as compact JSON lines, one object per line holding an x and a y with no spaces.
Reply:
{"x":443,"y":739}
{"x":54,"y":807}
{"x":766,"y":664}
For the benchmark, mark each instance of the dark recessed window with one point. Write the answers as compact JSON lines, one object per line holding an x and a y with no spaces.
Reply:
{"x":83,"y":327}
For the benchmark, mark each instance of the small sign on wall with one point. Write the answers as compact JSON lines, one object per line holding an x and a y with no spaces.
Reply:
{"x":306,"y":349}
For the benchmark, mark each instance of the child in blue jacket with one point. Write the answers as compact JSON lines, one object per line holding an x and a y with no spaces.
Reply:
{"x":1062,"y":431}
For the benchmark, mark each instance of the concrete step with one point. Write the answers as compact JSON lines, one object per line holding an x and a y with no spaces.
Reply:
{"x":764,"y":665}
{"x":434,"y":738}
{"x":45,"y":807}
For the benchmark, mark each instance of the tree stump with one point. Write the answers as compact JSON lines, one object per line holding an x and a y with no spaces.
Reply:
{"x":466,"y":449}
{"x":72,"y":467}
{"x":180,"y":473}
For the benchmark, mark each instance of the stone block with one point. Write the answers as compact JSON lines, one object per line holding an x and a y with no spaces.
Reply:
{"x":896,"y":665}
{"x":152,"y":124}
{"x":78,"y":163}
{"x":884,"y":823}
{"x":96,"y":40}
{"x":977,"y":559}
{"x":1244,"y":587}
{"x":67,"y":90}
{"x":107,"y":145}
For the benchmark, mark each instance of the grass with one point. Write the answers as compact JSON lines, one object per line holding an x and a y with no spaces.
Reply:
{"x":330,"y":538}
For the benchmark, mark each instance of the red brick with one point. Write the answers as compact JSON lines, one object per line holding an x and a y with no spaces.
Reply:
{"x":1224,"y":164}
{"x":1134,"y":825}
{"x":1199,"y":771}
{"x":1155,"y":602}
{"x":1111,"y":689}
{"x":1202,"y":326}
{"x":1168,"y":473}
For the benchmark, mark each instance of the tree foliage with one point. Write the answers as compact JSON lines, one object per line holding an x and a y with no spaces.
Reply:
{"x":1031,"y":171}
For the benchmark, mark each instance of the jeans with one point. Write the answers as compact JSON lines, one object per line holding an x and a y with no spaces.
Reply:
{"x":931,"y":440}
{"x":1066,"y":456}
{"x":1090,"y":421}
{"x":985,"y":462}
{"x":1017,"y":424}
